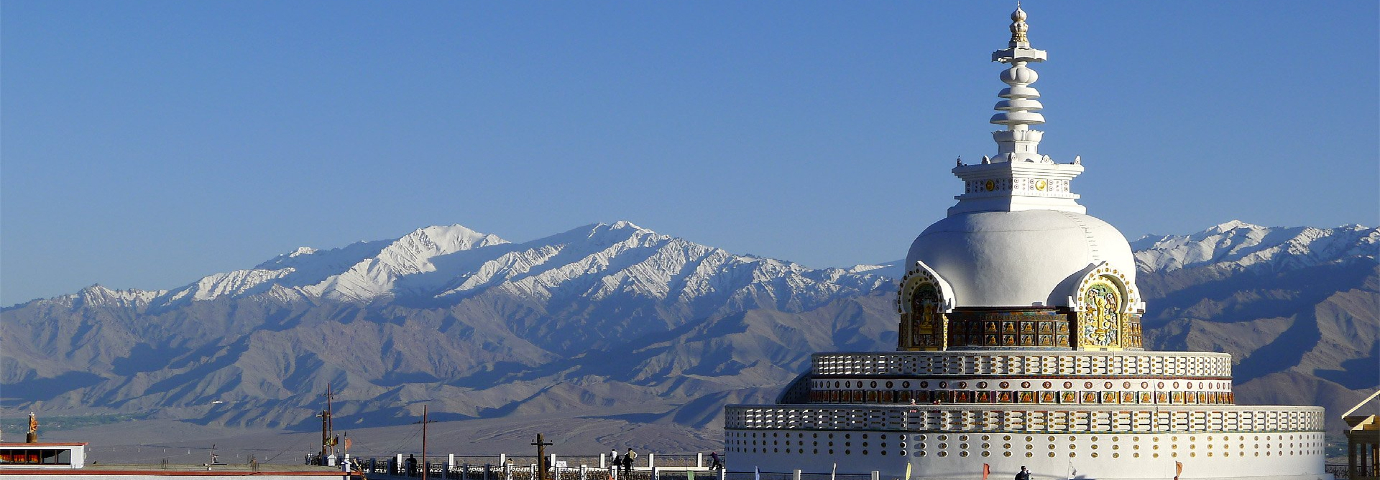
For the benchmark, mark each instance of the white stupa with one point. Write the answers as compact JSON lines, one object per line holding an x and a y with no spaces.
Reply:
{"x":1020,"y":345}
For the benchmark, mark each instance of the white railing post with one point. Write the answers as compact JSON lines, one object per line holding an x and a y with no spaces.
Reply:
{"x":796,"y":475}
{"x":601,"y":461}
{"x":450,"y":463}
{"x":399,"y":466}
{"x":584,"y":472}
{"x":876,"y":475}
{"x":651,"y":460}
{"x":699,"y":460}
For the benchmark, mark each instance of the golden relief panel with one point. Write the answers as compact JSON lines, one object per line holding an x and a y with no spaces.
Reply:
{"x":922,"y":323}
{"x":1039,"y":328}
{"x":1100,"y":319}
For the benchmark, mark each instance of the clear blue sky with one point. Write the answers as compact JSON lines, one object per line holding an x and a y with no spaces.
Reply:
{"x":146,"y":144}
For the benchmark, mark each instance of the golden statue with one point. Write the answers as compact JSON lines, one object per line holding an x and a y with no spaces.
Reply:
{"x":32,"y":437}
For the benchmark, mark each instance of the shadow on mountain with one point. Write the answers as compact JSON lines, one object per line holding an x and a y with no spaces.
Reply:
{"x":146,"y":358}
{"x":228,"y":355}
{"x":393,"y":379}
{"x":708,"y":409}
{"x":41,"y":389}
{"x":499,"y":372}
{"x":1357,"y":373}
{"x":282,"y":320}
{"x":1286,"y":351}
{"x":308,"y":364}
{"x":618,"y":362}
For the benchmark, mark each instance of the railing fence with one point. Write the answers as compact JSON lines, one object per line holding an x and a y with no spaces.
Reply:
{"x":503,"y":467}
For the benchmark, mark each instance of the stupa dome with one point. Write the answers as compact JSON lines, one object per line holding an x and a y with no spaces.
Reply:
{"x":1023,"y":258}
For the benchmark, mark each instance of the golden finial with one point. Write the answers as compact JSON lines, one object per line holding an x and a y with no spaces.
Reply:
{"x":1018,"y":28}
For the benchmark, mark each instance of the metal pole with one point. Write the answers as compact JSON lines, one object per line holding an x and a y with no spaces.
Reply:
{"x":424,"y":465}
{"x":541,"y":457}
{"x":330,"y":412}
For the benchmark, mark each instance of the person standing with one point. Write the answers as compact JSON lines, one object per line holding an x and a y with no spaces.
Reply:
{"x":716,"y":465}
{"x":1024,"y":474}
{"x":615,"y":461}
{"x":628,"y":460}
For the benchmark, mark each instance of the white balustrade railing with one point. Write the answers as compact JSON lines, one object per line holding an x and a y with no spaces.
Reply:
{"x":958,"y":362}
{"x":1048,"y":419}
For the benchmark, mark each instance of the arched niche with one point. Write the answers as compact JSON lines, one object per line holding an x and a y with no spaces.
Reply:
{"x":922,"y":301}
{"x":1108,"y":309}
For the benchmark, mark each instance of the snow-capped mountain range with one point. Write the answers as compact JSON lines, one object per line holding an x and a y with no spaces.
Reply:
{"x":1252,"y":246}
{"x":441,"y":264}
{"x":615,"y":316}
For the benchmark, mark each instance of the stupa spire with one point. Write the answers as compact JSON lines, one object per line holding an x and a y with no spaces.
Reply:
{"x":1018,"y":177}
{"x":1019,"y":105}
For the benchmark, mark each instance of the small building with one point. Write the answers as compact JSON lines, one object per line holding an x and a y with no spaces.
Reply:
{"x":42,"y":455}
{"x":1363,"y":443}
{"x":45,"y":461}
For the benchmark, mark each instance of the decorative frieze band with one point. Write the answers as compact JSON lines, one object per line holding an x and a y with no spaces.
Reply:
{"x":1001,"y":418}
{"x":1123,"y":390}
{"x":1072,"y":364}
{"x":1025,"y":185}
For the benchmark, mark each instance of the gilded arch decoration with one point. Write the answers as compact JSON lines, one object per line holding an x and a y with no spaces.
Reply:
{"x":1108,"y":310}
{"x":923,"y":300}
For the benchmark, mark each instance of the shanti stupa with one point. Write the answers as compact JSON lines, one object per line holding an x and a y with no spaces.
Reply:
{"x":1020,"y":344}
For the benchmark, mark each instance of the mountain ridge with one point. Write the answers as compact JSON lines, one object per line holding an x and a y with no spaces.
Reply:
{"x":614,"y":316}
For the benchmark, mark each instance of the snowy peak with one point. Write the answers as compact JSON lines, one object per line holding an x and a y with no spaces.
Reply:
{"x":1253,"y":246}
{"x":599,"y":261}
{"x":412,"y":253}
{"x":603,"y":235}
{"x":410,"y":256}
{"x":1234,"y":225}
{"x":301,"y":251}
{"x":359,"y":271}
{"x":100,"y":296}
{"x":308,"y":259}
